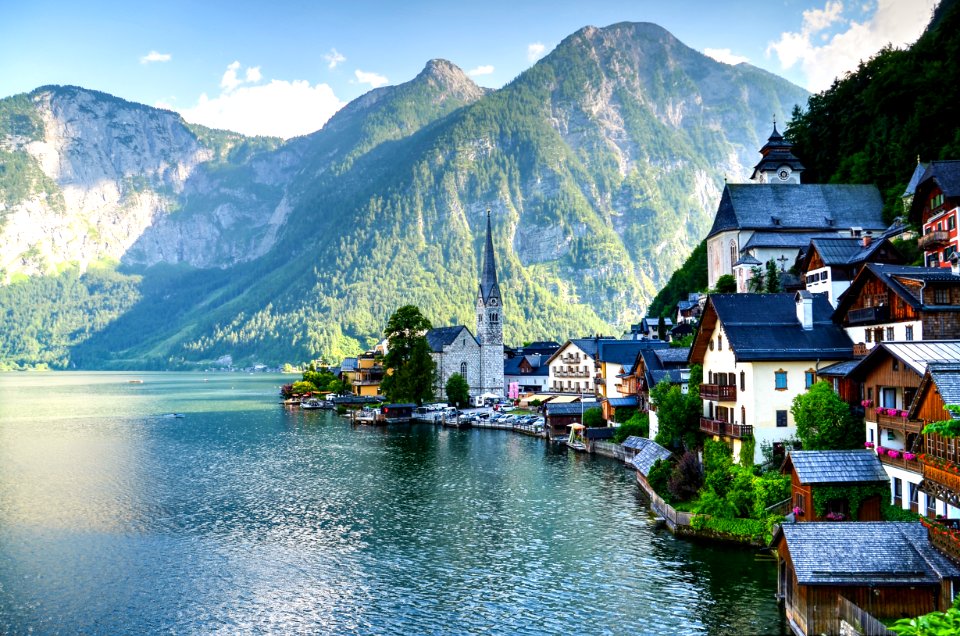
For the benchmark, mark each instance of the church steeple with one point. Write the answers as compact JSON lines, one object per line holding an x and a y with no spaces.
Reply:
{"x":488,"y":276}
{"x":778,"y":165}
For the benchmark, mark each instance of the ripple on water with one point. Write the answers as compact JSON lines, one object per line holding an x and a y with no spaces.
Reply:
{"x":246,"y":518}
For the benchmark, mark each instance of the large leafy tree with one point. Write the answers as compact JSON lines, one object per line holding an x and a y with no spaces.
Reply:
{"x":411,"y":372}
{"x":458,"y":391}
{"x":824,"y":421}
{"x":678,"y":414}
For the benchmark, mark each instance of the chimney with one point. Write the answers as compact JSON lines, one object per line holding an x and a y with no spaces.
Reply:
{"x":804,"y":301}
{"x":867,"y":239}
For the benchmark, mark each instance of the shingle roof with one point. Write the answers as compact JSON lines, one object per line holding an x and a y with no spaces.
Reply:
{"x":804,"y":207}
{"x":840,"y":369}
{"x":589,"y":345}
{"x":864,"y":553}
{"x":348,"y":364}
{"x":894,"y":276}
{"x":795,"y":240}
{"x":659,"y":375}
{"x":622,"y":401}
{"x":675,"y":355}
{"x":625,"y":351}
{"x":836,"y":466}
{"x":648,"y":452}
{"x":918,"y":353}
{"x":915,"y":179}
{"x":946,"y":174}
{"x":600,"y":432}
{"x":765,"y":327}
{"x":567,"y":408}
{"x":845,"y":251}
{"x":511,"y":366}
{"x":946,"y":375}
{"x":439,"y":337}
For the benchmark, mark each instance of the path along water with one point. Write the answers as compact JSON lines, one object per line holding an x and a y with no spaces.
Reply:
{"x":243,"y":517}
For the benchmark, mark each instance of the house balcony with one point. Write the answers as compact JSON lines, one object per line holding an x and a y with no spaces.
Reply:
{"x":943,"y":534}
{"x":867,"y":315}
{"x":894,"y":422}
{"x":725,"y":429}
{"x":934,"y":240}
{"x":913,"y":465}
{"x":718,"y":392}
{"x":945,"y":482}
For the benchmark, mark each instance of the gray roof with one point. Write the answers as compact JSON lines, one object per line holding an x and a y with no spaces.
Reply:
{"x":625,"y":352}
{"x":348,"y":364}
{"x":946,"y":375}
{"x":918,"y":353}
{"x":795,"y":240}
{"x":488,"y":277}
{"x":915,"y":179}
{"x":568,"y":408}
{"x":599,"y":432}
{"x":846,"y":251}
{"x":648,"y":452}
{"x":836,"y":466}
{"x":676,"y":355}
{"x":840,"y":369}
{"x":892,"y":276}
{"x":511,"y":366}
{"x":659,"y":375}
{"x":589,"y":345}
{"x":622,"y":401}
{"x":864,"y":553}
{"x":439,"y":337}
{"x":798,"y":207}
{"x":748,"y":259}
{"x":776,"y":153}
{"x":946,"y":174}
{"x":765,"y":327}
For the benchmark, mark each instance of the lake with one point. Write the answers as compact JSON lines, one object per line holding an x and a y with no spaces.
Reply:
{"x":246,"y":517}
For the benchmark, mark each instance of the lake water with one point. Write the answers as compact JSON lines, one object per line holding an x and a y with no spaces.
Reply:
{"x":244,"y":517}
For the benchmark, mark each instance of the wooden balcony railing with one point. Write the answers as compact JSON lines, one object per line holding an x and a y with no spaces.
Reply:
{"x":868,"y":315}
{"x":942,"y":533}
{"x":943,"y":477}
{"x":718,"y":392}
{"x":934,"y":240}
{"x":895,"y":422}
{"x":912,"y":465}
{"x":727,"y":429}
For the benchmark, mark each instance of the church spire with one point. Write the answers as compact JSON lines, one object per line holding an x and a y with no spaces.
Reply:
{"x":488,"y":277}
{"x":778,"y":165}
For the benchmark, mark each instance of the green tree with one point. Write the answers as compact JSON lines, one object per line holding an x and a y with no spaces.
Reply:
{"x":458,"y":391}
{"x":678,"y":415}
{"x":662,"y":328}
{"x":726,"y":284}
{"x":593,"y":418}
{"x":757,"y":283}
{"x":338,"y":386}
{"x":772,"y":278}
{"x":302,"y":387}
{"x":411,"y":371}
{"x":824,"y":421}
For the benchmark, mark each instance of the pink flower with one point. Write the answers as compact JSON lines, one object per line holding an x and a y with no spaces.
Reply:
{"x":868,"y":444}
{"x":909,"y":457}
{"x":893,"y":453}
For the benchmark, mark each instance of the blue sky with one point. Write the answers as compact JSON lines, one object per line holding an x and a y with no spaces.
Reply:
{"x":284,"y":67}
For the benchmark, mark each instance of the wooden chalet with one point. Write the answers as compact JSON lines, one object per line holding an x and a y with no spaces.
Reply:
{"x":935,"y":208}
{"x":889,"y":569}
{"x":899,"y":302}
{"x":830,"y":264}
{"x":559,"y":416}
{"x":939,"y":387}
{"x":813,"y":470}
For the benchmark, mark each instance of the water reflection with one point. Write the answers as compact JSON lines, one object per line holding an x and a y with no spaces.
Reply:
{"x":244,"y":517}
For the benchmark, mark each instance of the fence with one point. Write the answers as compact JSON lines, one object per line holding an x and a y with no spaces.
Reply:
{"x":858,"y":621}
{"x":608,"y":449}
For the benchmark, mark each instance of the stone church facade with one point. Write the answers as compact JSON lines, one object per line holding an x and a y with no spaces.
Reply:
{"x":478,"y":358}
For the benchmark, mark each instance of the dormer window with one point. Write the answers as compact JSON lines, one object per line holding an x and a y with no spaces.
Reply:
{"x":936,"y":201}
{"x":775,"y":220}
{"x":856,"y":231}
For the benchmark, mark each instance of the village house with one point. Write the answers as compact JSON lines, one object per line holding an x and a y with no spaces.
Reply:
{"x":366,"y":378}
{"x":653,"y":366}
{"x":689,"y":310}
{"x":559,"y":416}
{"x":573,"y":367}
{"x":758,"y":352}
{"x":525,"y":374}
{"x":936,"y":209}
{"x":900,"y":302}
{"x":819,"y":481}
{"x":887,"y":569}
{"x":889,"y":378}
{"x":775,"y":217}
{"x":939,"y":388}
{"x":830,"y":264}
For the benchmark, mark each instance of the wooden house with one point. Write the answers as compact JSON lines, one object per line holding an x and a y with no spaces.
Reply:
{"x":936,"y":209}
{"x":890,"y":570}
{"x":899,"y":302}
{"x":559,"y":416}
{"x":830,"y":264}
{"x":939,"y":387}
{"x":830,"y":472}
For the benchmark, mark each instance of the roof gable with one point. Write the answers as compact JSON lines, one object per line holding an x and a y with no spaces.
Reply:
{"x":835,"y":467}
{"x":440,"y":337}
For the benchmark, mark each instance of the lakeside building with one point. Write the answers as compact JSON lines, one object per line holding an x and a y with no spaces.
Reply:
{"x":814,"y":473}
{"x":758,"y":352}
{"x":830,"y":264}
{"x":527,"y":373}
{"x":572,"y":368}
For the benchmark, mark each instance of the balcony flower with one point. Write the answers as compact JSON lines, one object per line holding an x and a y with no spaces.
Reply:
{"x":881,"y":450}
{"x":797,"y":511}
{"x":893,"y":453}
{"x":834,"y":516}
{"x":904,"y":414}
{"x":866,"y":403}
{"x":868,"y":444}
{"x":909,"y":457}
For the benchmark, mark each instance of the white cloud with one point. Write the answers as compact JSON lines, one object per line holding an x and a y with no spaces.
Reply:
{"x":373,"y":79}
{"x":725,"y":55}
{"x":279,"y":108}
{"x":893,"y":22}
{"x":486,"y":69}
{"x":535,"y":51}
{"x":253,"y":75}
{"x":154,"y":56}
{"x":334,"y":58}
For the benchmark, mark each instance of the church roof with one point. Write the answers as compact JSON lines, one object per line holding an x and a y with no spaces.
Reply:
{"x":816,"y":207}
{"x":440,"y":337}
{"x":488,"y":277}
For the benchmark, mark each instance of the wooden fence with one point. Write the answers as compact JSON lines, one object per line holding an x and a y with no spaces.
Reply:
{"x":858,"y":621}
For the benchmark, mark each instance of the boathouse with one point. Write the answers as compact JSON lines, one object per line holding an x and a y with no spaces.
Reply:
{"x":840,"y":478}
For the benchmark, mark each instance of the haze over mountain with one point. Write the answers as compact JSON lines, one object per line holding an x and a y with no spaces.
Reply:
{"x":601,"y":166}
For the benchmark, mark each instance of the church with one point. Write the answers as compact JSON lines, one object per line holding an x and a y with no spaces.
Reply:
{"x":479,"y":359}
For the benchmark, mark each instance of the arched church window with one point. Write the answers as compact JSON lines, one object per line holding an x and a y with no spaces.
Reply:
{"x":463,"y":370}
{"x":494,"y":317}
{"x":733,"y":253}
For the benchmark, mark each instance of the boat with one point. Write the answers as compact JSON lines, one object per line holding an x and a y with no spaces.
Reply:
{"x":311,"y":404}
{"x":575,"y":440}
{"x":457,"y":422}
{"x":178,"y":416}
{"x":135,"y":381}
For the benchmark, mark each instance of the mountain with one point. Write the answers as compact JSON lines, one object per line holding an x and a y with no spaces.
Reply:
{"x":159,"y":243}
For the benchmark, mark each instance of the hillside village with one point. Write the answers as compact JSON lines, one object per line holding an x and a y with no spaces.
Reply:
{"x":810,"y":294}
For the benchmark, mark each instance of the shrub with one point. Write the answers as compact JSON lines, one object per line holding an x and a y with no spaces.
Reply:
{"x":769,"y":489}
{"x":638,"y":425}
{"x":593,"y":418}
{"x":659,"y":476}
{"x":687,"y":478}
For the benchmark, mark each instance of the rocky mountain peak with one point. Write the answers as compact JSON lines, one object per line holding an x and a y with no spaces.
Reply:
{"x":449,"y":77}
